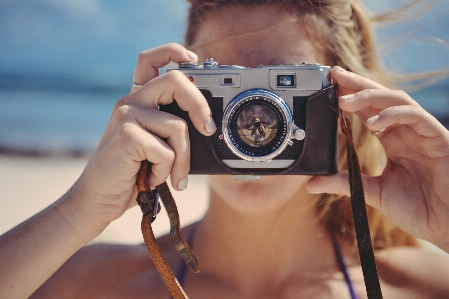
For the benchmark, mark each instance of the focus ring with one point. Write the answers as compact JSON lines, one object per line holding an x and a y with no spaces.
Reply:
{"x":273,"y":146}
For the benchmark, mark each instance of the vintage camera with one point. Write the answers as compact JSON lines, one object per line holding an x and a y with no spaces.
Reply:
{"x":270,"y":119}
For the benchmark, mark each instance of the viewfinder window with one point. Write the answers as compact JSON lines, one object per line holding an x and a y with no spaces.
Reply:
{"x":285,"y":80}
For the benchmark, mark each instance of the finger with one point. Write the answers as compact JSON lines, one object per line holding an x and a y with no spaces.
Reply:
{"x":141,"y":145}
{"x":374,"y":98}
{"x":149,"y":61}
{"x":415,"y":116}
{"x":343,"y":91}
{"x":370,"y":102}
{"x":339,"y":184}
{"x":165,"y":89}
{"x":132,"y":201}
{"x":351,"y":81}
{"x":166,"y":126}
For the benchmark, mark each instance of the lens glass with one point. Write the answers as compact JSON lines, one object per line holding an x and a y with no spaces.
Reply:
{"x":256,"y":124}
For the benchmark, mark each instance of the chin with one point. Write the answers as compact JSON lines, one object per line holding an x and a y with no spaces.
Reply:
{"x":259,"y":196}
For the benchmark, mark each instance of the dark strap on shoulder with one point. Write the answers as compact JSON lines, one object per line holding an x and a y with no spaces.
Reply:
{"x":360,"y":217}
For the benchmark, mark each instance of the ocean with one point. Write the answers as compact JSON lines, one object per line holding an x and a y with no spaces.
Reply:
{"x":70,"y":119}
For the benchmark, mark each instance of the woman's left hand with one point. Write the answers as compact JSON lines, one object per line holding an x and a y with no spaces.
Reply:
{"x":413,"y":190}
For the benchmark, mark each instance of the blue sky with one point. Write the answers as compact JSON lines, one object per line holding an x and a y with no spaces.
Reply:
{"x":105,"y":37}
{"x":41,"y":34}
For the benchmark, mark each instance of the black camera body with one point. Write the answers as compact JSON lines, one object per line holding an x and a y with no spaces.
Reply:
{"x":270,"y":119}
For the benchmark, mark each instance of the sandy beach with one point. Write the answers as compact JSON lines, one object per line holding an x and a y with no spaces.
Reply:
{"x":29,"y":184}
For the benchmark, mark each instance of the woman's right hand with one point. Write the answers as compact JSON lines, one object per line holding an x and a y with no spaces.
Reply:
{"x":106,"y":188}
{"x":136,"y":130}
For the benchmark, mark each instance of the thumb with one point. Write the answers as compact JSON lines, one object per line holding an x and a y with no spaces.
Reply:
{"x":339,"y":184}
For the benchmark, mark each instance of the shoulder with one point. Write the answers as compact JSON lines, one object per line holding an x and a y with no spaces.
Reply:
{"x":422,"y":272}
{"x":94,"y":269}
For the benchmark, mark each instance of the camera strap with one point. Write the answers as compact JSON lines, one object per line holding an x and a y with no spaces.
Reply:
{"x":148,"y":201}
{"x":359,"y":214}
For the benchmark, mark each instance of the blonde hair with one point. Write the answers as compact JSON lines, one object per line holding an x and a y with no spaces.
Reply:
{"x":347,"y":28}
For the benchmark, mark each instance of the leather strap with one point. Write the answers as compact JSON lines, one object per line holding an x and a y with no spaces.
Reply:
{"x":147,"y":200}
{"x":361,"y":226}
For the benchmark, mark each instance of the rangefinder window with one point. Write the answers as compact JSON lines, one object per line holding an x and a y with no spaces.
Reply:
{"x":227,"y":81}
{"x":286,"y":80}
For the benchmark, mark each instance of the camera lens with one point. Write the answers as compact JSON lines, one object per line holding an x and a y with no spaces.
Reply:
{"x":256,"y":125}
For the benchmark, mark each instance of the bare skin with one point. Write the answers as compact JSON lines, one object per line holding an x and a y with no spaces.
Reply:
{"x":259,"y":239}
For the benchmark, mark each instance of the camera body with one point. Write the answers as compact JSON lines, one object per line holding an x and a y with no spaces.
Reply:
{"x":270,"y":119}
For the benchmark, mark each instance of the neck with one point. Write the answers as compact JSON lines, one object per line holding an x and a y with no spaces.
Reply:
{"x":255,"y":249}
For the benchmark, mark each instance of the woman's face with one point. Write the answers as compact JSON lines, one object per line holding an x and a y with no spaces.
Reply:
{"x":284,"y":43}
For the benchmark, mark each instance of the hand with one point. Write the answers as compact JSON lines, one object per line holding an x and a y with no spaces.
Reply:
{"x":413,"y":190}
{"x":135,"y":131}
{"x":107,"y":186}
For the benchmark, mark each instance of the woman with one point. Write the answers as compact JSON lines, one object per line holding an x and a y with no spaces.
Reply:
{"x":270,"y":238}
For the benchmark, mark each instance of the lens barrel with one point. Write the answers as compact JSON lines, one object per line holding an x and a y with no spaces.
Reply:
{"x":257,"y":125}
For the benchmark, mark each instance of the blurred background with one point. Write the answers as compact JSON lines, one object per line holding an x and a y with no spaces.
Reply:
{"x":64,"y":63}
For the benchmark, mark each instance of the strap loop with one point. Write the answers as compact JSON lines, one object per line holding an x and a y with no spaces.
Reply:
{"x":149,"y":203}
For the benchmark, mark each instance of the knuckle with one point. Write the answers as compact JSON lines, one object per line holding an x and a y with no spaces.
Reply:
{"x":392,"y":110}
{"x":127,"y":133}
{"x":400,"y":93}
{"x":419,"y":109}
{"x":170,"y":156}
{"x":120,"y":102}
{"x":405,"y":96}
{"x":422,"y":114}
{"x":141,"y":56}
{"x":369,"y":94}
{"x":173,"y":46}
{"x":180,"y":125}
{"x":176,"y":77}
{"x":122,"y":112}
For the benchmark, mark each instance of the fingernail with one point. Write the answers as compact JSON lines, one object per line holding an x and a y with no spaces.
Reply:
{"x":316,"y":192}
{"x":341,"y":69}
{"x":373,"y":119}
{"x":192,"y":55}
{"x":347,"y":97}
{"x":210,"y":125}
{"x":182,"y":184}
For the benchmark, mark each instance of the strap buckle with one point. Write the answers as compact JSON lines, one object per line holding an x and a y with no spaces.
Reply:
{"x":156,"y":204}
{"x":149,"y":203}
